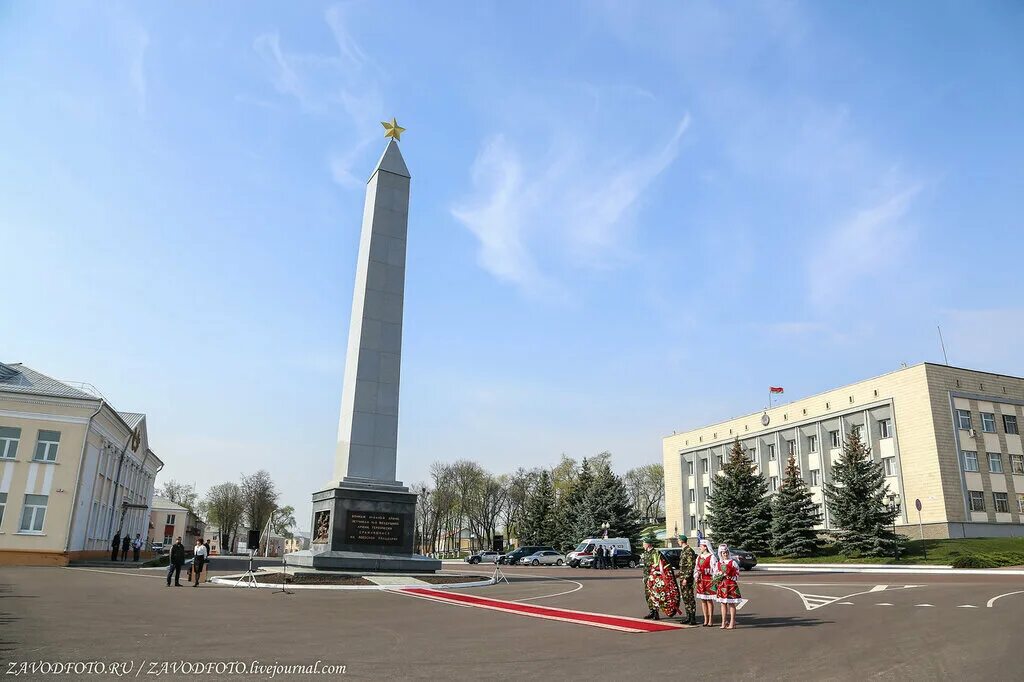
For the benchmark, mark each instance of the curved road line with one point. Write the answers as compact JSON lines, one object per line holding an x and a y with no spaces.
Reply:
{"x":579,"y":585}
{"x":993,"y":599}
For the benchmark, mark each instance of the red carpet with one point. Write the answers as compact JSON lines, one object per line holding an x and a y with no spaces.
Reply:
{"x":598,"y":620}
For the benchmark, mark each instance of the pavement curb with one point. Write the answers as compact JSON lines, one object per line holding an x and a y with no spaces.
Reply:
{"x":884,"y":568}
{"x":232,"y":581}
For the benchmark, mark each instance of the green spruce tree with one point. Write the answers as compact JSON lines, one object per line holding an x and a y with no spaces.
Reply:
{"x":539,"y":524}
{"x":794,"y":515}
{"x":739,"y":509}
{"x":571,"y":507}
{"x":857,"y":499}
{"x":608,"y":502}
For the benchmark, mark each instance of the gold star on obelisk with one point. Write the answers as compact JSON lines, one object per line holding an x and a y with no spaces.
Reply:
{"x":392,"y":129}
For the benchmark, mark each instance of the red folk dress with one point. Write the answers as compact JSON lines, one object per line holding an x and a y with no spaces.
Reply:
{"x":728,"y":583}
{"x":704,"y":569}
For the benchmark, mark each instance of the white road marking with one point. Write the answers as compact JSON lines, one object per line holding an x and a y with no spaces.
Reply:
{"x":924,"y":605}
{"x":885,"y":603}
{"x":98,"y":570}
{"x":878,"y":588}
{"x":967,"y":606}
{"x":846,"y":603}
{"x":812,"y":602}
{"x":511,"y":576}
{"x":993,"y":599}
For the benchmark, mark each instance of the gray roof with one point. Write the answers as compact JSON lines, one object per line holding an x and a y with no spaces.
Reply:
{"x":132,"y":419}
{"x":17,"y":378}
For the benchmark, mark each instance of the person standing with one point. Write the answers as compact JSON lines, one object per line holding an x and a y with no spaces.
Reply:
{"x":115,"y":545}
{"x":175,"y":564}
{"x":660,"y":587}
{"x":126,"y":544}
{"x":599,"y":557}
{"x":705,"y":567}
{"x":208,"y":555}
{"x":727,"y":590}
{"x":136,"y":547}
{"x":687,"y":563}
{"x":198,"y":559}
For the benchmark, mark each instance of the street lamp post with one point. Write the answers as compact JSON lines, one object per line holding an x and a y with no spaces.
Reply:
{"x":605,"y":526}
{"x":894,"y":509}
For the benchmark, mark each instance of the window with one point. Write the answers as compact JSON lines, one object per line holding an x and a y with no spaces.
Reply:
{"x":704,"y":465}
{"x":33,"y":514}
{"x":1001,"y":502}
{"x":9,"y":439}
{"x":707,"y":492}
{"x":168,"y":541}
{"x":836,"y":441}
{"x":815,"y":476}
{"x":3,"y":506}
{"x":693,"y":522}
{"x":790,"y":447}
{"x":1017,"y":464}
{"x":970,"y":461}
{"x":689,"y":468}
{"x":963,"y":419}
{"x":719,"y":462}
{"x":988,"y":422}
{"x":170,"y":519}
{"x":812,"y":443}
{"x":1010,"y":423}
{"x":819,"y":515}
{"x":995,"y":463}
{"x":1020,"y":504}
{"x":46,"y":448}
{"x":977,"y":501}
{"x":889,"y":463}
{"x":774,"y":481}
{"x":885,"y":428}
{"x":693,"y":495}
{"x":855,"y":430}
{"x":771,"y":451}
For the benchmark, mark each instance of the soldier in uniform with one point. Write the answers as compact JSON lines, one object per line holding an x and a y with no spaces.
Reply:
{"x":660,"y":589}
{"x":687,"y":559}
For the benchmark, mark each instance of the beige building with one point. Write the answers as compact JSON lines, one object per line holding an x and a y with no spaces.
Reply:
{"x":73,"y":471}
{"x":946,"y":436}
{"x":169,"y":521}
{"x":297,"y":542}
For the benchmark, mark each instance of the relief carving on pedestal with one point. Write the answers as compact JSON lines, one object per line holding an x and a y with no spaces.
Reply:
{"x":321,"y":527}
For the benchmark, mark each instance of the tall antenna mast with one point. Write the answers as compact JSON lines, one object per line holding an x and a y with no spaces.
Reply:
{"x":943,"y":344}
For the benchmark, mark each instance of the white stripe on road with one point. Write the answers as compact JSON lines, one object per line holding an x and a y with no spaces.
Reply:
{"x":993,"y":599}
{"x":924,"y":605}
{"x":967,"y":606}
{"x":98,"y":570}
{"x":878,"y":588}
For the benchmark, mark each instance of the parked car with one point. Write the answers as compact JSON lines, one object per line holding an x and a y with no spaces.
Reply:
{"x":545,"y":558}
{"x":621,"y":557}
{"x":746,"y":559}
{"x":157,"y":547}
{"x":587,"y":547}
{"x":671,"y":555}
{"x":485,"y":557}
{"x":513,"y":557}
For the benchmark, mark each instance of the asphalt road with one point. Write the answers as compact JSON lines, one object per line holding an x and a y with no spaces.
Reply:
{"x":796,"y":626}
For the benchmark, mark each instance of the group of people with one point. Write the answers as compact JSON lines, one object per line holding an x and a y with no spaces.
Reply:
{"x":124,"y":544}
{"x":604,"y":557}
{"x":200,"y":560}
{"x":703,"y":576}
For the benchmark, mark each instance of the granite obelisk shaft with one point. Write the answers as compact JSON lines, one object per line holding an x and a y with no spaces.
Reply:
{"x":368,"y":427}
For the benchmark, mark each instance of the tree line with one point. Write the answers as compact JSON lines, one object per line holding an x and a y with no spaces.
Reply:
{"x":742,"y":513}
{"x":234,"y":507}
{"x":555,"y":506}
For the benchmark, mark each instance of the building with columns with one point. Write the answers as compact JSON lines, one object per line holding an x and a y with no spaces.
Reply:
{"x":73,"y":470}
{"x":947,"y":436}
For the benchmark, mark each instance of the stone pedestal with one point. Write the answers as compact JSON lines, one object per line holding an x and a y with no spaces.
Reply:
{"x":364,"y":528}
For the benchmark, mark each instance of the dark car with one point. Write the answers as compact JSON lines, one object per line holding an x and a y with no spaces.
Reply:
{"x":672,"y":555}
{"x":513,"y":557}
{"x":622,"y":558}
{"x":746,"y":559}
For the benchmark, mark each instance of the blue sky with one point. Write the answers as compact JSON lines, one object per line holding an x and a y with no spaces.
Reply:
{"x":626,"y":218}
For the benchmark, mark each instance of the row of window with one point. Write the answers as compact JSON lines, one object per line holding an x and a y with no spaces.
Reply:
{"x":818,"y":510}
{"x":47,"y":443}
{"x":995,"y":462}
{"x":32,"y":514}
{"x":814,"y":478}
{"x":988,"y":422}
{"x":1001,"y":502}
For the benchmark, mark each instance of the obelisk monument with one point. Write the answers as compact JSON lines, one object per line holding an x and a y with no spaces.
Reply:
{"x":366,"y":519}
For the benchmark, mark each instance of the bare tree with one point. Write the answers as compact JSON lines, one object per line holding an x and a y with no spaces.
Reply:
{"x":646,"y":488}
{"x":260,"y":497}
{"x":179,"y":493}
{"x":224,"y":506}
{"x":486,"y":504}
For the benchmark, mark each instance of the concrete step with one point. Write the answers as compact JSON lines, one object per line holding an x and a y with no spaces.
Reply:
{"x":98,"y":563}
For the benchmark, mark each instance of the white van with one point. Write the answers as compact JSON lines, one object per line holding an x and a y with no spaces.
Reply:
{"x":587,"y":547}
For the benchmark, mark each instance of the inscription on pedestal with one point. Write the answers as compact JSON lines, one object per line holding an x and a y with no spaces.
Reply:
{"x":374,"y":528}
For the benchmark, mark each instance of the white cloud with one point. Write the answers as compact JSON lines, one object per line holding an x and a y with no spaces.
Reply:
{"x":863,"y":247}
{"x":570,"y":210}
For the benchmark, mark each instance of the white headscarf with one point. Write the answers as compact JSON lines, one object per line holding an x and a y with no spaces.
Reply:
{"x":723,"y":548}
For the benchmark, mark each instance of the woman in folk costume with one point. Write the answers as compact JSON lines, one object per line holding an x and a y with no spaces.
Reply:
{"x":704,"y":569}
{"x":660,"y":586}
{"x":727,"y":588}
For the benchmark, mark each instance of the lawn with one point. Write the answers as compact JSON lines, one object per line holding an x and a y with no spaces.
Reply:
{"x":1000,"y":551}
